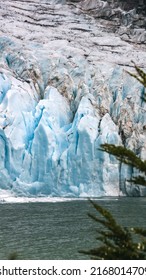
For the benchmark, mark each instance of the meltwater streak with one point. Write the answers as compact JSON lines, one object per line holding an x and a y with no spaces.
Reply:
{"x":57,"y":231}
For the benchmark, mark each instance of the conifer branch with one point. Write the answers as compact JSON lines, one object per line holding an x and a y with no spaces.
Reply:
{"x":115,"y":242}
{"x":140,"y":76}
{"x":125,"y":155}
{"x":139,"y":180}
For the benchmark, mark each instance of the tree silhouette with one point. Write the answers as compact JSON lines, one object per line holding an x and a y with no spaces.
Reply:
{"x":115,"y":242}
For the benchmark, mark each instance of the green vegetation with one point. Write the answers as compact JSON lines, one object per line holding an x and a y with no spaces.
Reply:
{"x":13,"y":256}
{"x":123,"y":154}
{"x":128,"y":157}
{"x":140,"y":76}
{"x":114,"y":241}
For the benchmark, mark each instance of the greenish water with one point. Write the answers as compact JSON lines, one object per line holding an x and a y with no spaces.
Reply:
{"x":58,"y":230}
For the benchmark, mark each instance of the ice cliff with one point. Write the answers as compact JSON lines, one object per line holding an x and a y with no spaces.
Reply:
{"x":63,"y":92}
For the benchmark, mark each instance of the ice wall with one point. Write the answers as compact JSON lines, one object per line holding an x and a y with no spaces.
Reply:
{"x":55,"y":112}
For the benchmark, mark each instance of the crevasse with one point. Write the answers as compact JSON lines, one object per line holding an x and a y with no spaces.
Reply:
{"x":55,"y":112}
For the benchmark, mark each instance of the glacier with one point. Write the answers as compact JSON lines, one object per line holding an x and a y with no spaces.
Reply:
{"x":62,"y":94}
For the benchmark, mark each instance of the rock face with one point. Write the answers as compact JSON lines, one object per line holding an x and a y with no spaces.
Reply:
{"x":63,"y":92}
{"x":127,"y":18}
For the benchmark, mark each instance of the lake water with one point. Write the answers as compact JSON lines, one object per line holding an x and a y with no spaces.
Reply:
{"x":58,"y":230}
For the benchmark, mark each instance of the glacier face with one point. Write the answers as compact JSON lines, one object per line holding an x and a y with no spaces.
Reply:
{"x":59,"y":101}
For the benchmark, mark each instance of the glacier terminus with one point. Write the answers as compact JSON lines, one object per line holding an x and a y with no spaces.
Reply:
{"x":64,"y":91}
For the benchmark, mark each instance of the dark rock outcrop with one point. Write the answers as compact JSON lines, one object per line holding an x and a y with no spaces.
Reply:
{"x":127,"y":18}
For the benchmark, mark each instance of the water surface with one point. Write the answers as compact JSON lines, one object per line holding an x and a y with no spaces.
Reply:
{"x":58,"y":230}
